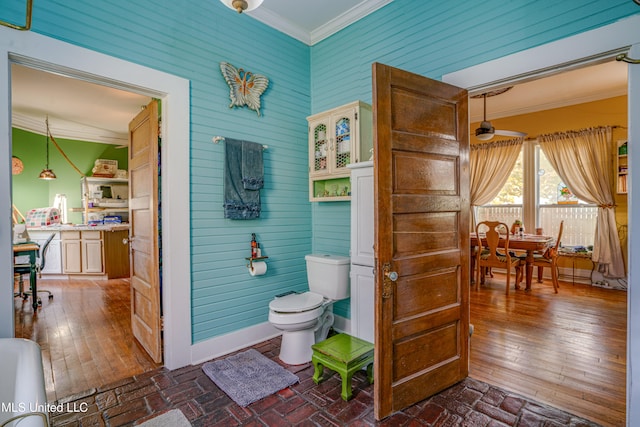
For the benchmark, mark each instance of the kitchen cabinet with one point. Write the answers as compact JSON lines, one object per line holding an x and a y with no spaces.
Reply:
{"x":622,"y":166}
{"x":53,"y":264}
{"x":337,"y":138}
{"x":116,"y":253}
{"x":361,"y":252}
{"x":82,"y":252}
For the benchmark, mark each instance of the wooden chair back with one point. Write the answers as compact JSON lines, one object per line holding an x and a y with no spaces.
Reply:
{"x":491,"y":253}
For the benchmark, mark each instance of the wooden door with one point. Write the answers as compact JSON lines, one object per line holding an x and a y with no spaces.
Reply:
{"x":143,"y":231}
{"x":421,"y":184}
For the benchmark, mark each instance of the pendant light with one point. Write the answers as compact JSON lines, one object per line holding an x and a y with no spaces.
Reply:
{"x":242,"y":5}
{"x":47,"y":173}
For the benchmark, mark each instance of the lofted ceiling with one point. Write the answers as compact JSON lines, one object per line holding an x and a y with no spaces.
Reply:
{"x":90,"y":112}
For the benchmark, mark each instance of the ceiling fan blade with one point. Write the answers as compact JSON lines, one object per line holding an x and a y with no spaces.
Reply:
{"x":510,"y":133}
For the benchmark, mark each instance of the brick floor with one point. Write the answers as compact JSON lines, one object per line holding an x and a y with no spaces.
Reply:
{"x":134,"y":400}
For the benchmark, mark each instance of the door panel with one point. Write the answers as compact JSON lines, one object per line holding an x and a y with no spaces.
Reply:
{"x":421,"y":182}
{"x":143,"y":226}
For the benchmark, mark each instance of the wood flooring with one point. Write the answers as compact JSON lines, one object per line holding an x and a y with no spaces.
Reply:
{"x":567,"y":350}
{"x":84,"y":333}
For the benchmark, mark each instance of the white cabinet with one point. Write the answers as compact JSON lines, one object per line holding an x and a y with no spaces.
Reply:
{"x":82,"y":252}
{"x":362,"y":252}
{"x":362,"y":302}
{"x":362,"y":213}
{"x":337,"y":138}
{"x":53,"y":258}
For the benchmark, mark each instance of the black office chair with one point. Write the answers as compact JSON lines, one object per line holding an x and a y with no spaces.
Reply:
{"x":21,"y":269}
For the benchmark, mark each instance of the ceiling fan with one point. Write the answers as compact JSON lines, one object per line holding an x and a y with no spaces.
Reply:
{"x":486,"y":131}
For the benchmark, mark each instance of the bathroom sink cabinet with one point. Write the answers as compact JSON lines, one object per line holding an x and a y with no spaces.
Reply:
{"x":337,"y":138}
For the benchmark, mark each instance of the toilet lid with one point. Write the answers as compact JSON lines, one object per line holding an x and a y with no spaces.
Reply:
{"x":295,"y":303}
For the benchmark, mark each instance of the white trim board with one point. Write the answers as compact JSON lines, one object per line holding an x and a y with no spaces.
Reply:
{"x":38,"y":51}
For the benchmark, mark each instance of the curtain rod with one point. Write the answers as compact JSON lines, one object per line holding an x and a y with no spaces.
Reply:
{"x":217,"y":139}
{"x":533,"y":138}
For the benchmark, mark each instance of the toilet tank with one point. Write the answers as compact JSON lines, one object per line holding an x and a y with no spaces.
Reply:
{"x":328,"y":275}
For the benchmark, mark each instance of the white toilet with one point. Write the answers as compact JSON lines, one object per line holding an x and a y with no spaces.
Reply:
{"x":305,"y":318}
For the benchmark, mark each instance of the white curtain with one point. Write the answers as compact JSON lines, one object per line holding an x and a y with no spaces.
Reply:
{"x":584,"y":160}
{"x":491,"y":164}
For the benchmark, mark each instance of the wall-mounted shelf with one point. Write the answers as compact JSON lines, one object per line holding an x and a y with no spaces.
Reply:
{"x":622,"y":164}
{"x":337,"y":138}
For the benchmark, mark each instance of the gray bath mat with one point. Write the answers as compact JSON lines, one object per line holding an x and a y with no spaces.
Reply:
{"x":248,"y":376}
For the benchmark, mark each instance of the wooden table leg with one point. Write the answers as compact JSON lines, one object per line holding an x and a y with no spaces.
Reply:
{"x":32,"y":280}
{"x":529,"y":270}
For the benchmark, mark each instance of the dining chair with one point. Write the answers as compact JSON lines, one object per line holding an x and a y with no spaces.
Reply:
{"x":547,"y":259}
{"x":20,"y":270}
{"x":492,"y":252}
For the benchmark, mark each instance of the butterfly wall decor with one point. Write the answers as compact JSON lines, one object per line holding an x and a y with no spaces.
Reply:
{"x":245,"y":87}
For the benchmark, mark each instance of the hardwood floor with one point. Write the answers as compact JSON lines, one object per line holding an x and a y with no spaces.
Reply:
{"x":567,"y":349}
{"x":84,"y":333}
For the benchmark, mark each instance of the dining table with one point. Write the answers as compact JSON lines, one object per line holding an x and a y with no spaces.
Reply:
{"x":31,"y":249}
{"x":530,"y":243}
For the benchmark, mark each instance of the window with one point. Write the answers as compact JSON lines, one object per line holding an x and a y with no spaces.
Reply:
{"x":535,"y":194}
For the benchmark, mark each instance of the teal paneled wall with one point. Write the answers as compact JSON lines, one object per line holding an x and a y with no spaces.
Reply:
{"x":190,"y":39}
{"x":29,"y":192}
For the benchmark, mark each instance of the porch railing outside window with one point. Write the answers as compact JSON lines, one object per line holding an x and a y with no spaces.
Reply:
{"x":579,"y":220}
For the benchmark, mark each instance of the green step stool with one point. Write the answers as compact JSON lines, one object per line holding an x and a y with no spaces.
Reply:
{"x":345,"y":355}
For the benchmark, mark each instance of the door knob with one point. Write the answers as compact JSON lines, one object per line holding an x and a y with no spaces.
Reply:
{"x":392,"y":275}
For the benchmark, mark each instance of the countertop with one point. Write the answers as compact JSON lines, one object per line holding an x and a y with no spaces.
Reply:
{"x":82,"y":227}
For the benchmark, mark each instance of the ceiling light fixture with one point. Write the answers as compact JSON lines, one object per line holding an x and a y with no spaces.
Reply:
{"x":242,"y":5}
{"x":47,"y":173}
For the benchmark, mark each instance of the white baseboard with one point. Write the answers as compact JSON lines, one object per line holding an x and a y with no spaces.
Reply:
{"x":224,"y":344}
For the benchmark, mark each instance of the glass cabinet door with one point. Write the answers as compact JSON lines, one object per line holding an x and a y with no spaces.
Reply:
{"x":320,"y":147}
{"x":342,"y":147}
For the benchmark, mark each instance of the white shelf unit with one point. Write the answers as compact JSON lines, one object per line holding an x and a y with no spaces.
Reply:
{"x":98,"y":207}
{"x":622,"y":165}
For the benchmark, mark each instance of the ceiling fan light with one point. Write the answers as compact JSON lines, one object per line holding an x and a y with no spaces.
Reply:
{"x":484,"y":136}
{"x":485,"y":132}
{"x":242,"y":5}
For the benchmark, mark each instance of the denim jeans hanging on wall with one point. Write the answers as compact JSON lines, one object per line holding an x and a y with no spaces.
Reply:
{"x":243,"y":179}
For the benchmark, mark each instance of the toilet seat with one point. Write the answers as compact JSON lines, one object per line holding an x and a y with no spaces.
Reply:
{"x":296,"y":303}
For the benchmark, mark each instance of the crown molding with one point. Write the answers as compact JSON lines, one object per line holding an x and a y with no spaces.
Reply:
{"x":67,"y":130}
{"x":340,"y":22}
{"x":344,"y":20}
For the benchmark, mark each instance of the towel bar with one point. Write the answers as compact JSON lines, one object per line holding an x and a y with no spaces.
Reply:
{"x":217,"y":139}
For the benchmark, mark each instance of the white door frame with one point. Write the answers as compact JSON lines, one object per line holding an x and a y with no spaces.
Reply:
{"x":37,"y":51}
{"x":589,"y":47}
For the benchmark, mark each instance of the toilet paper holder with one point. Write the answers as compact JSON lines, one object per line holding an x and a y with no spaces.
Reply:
{"x":251,"y":259}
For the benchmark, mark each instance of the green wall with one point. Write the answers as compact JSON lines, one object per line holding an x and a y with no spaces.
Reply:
{"x":29,"y":192}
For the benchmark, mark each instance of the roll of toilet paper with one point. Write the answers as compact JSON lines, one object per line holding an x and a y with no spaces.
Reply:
{"x":258,"y":268}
